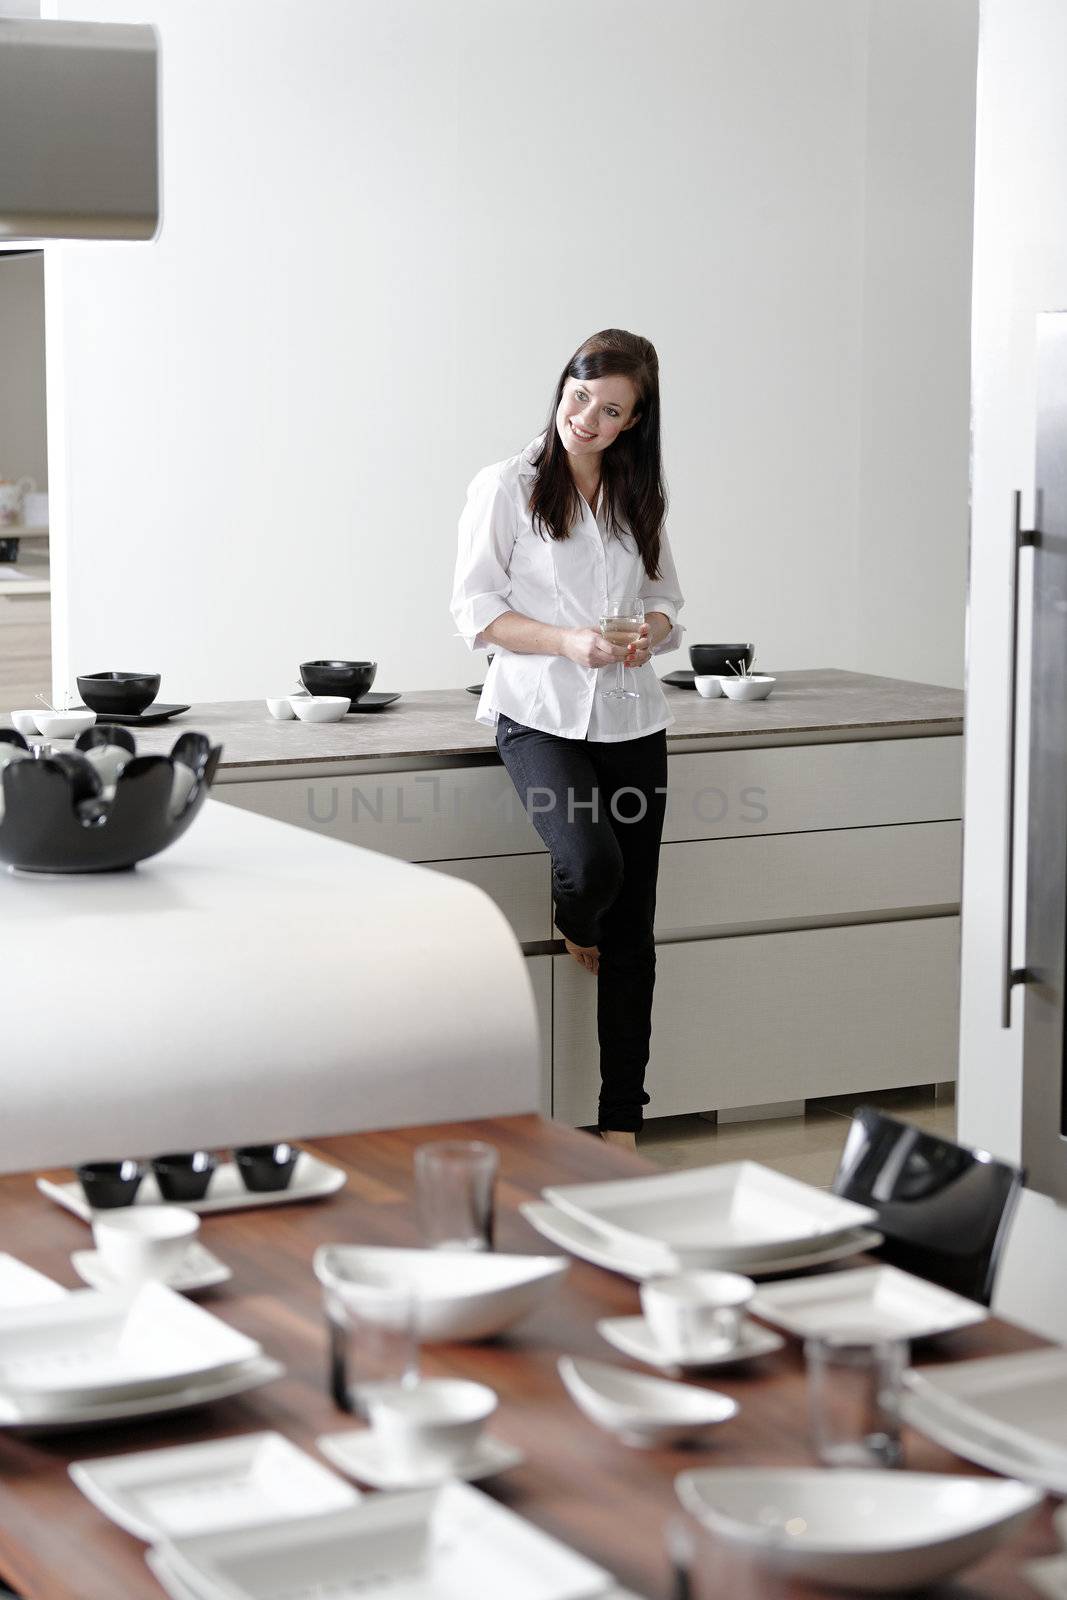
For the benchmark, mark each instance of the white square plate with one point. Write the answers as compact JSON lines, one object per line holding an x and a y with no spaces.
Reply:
{"x":21,"y":1285}
{"x":870,"y":1301}
{"x":1018,"y":1399}
{"x":312,"y":1180}
{"x":92,"y":1346}
{"x":452,"y":1543}
{"x":71,"y":1417}
{"x":200,"y":1488}
{"x":714,"y":1216}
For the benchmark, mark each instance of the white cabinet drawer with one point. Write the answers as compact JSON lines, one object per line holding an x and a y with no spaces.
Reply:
{"x":722,"y":794}
{"x":774,"y":1017}
{"x":520,"y":885}
{"x":718,"y":883}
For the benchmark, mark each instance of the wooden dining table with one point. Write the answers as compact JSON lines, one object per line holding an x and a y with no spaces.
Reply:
{"x":605,"y":1499}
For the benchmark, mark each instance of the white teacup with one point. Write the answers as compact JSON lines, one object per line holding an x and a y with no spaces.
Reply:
{"x":709,"y":686}
{"x":142,"y":1242}
{"x":696,"y":1313}
{"x":432,"y":1426}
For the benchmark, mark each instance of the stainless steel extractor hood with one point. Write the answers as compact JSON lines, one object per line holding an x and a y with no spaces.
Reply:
{"x":79,"y":131}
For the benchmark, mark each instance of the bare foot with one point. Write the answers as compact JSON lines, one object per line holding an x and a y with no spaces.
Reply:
{"x":586,"y":955}
{"x":620,"y":1139}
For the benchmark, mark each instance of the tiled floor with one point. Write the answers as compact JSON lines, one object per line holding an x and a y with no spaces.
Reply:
{"x":805,"y":1147}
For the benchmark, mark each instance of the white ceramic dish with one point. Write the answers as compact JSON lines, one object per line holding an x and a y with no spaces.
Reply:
{"x":198,"y":1269}
{"x":63,"y":724}
{"x":233,"y":1381}
{"x":93,"y":1347}
{"x":640,"y":1410}
{"x":436,"y":1544}
{"x":879,"y":1301}
{"x":21,"y":1285}
{"x":867,"y":1531}
{"x":714,"y":1216}
{"x":972,"y":1443}
{"x":707,"y":685}
{"x":634,"y":1261}
{"x":1017,"y":1400}
{"x":755,"y":687}
{"x":458,"y":1294}
{"x":312,"y":1180}
{"x":433,"y":1423}
{"x":632,"y":1336}
{"x":280,"y":709}
{"x":136,"y":1243}
{"x":320,"y":707}
{"x":199,"y":1488}
{"x":359,"y":1453}
{"x":701,"y":1310}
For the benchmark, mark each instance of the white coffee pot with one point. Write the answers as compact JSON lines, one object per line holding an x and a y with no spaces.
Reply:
{"x":11,"y":500}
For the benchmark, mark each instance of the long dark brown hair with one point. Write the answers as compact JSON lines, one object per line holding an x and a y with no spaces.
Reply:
{"x":631,"y":468}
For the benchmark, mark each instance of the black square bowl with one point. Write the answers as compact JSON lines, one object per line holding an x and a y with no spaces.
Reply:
{"x":126,"y":694}
{"x":352,"y":678}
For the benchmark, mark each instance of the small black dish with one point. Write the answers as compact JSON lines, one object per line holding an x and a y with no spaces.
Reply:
{"x":266,"y":1167}
{"x":128,"y":693}
{"x":352,"y":678}
{"x":476,"y":688}
{"x":372,"y":702}
{"x":110,"y":1184}
{"x":184,"y":1176}
{"x":146,"y":719}
{"x":712,"y":660}
{"x":680,"y":680}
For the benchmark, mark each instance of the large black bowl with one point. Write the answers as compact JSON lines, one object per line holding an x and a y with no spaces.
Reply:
{"x":126,"y":694}
{"x":55,"y":818}
{"x":352,"y":678}
{"x":713,"y":659}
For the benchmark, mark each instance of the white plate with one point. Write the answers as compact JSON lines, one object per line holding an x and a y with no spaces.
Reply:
{"x":93,"y":1346}
{"x":459,"y":1294}
{"x":1016,"y":1401}
{"x":633,"y":1337}
{"x":714,"y":1216}
{"x":640,"y":1410}
{"x":971,"y":1443}
{"x":198,"y":1269}
{"x":237,"y":1380}
{"x":21,"y":1285}
{"x":358,"y":1452}
{"x":312,"y":1180}
{"x":582,"y":1240}
{"x":200,"y":1488}
{"x":864,"y":1530}
{"x":451,"y":1543}
{"x":872,"y":1301}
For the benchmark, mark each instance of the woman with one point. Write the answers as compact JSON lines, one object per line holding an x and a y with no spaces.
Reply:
{"x":547,"y":538}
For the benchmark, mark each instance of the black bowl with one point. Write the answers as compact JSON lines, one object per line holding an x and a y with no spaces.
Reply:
{"x":709,"y":660}
{"x":264,"y":1167}
{"x":109,"y":1184}
{"x":352,"y":678}
{"x":184,"y":1176}
{"x":126,"y":694}
{"x":53,"y":818}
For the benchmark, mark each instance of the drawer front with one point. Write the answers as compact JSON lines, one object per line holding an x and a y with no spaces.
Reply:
{"x":520,"y":885}
{"x":432,"y":815}
{"x":714,"y":883}
{"x":724,"y":794}
{"x":777,"y":1017}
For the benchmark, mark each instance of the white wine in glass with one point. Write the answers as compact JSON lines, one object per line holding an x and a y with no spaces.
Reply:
{"x":620,"y":623}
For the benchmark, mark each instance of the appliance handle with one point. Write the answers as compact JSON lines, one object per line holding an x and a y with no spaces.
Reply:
{"x":1010,"y":976}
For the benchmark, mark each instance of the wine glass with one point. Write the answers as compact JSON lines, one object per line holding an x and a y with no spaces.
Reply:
{"x":620,"y":623}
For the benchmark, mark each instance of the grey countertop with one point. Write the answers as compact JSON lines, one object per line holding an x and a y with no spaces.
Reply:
{"x":804,"y":706}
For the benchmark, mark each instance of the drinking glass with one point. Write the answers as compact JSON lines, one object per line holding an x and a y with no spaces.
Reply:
{"x":854,"y":1387}
{"x":454,"y":1193}
{"x":620,"y":623}
{"x":373,"y":1342}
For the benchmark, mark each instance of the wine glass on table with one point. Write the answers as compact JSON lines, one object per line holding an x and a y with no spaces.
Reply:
{"x":620,"y":623}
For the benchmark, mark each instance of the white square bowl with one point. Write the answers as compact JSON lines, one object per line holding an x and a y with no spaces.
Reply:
{"x":880,"y":1302}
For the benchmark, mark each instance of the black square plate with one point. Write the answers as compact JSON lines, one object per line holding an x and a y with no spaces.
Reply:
{"x":680,"y":680}
{"x":144,"y":719}
{"x":372,"y":702}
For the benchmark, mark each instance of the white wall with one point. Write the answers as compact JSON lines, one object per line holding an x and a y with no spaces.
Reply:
{"x":1020,"y":267}
{"x":385,"y":228}
{"x":23,"y":447}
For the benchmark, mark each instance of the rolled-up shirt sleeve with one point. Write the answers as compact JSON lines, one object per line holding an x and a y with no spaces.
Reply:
{"x":663,"y":594}
{"x":488,"y":529}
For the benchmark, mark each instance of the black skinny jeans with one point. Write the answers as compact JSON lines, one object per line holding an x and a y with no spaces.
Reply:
{"x":599,"y":810}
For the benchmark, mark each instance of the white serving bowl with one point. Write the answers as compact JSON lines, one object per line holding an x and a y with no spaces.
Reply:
{"x":320,"y":707}
{"x":63,"y":724}
{"x":756,"y":687}
{"x":640,"y":1410}
{"x":280,"y":708}
{"x":708,"y":685}
{"x":458,"y":1294}
{"x":867,"y":1531}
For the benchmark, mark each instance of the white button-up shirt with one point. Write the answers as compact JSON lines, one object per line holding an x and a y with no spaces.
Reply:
{"x":505,"y":564}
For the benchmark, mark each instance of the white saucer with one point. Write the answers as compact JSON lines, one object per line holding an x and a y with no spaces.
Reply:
{"x":634,"y":1337}
{"x":198,"y":1269}
{"x":358,"y":1453}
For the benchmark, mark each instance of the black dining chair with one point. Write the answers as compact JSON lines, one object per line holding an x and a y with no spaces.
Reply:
{"x":945,"y":1210}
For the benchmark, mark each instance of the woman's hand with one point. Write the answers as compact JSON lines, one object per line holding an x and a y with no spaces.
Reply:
{"x":640,"y":652}
{"x":589,"y":648}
